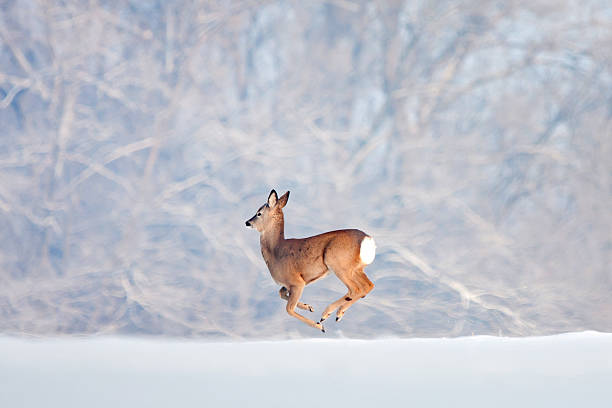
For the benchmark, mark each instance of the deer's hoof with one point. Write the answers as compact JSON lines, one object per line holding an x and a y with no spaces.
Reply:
{"x":338,"y":318}
{"x":310,"y":309}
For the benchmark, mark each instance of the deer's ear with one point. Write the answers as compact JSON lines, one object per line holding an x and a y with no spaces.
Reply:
{"x":272,"y":199}
{"x":282,"y":201}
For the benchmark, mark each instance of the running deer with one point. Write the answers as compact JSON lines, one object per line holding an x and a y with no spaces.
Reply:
{"x":294,"y":263}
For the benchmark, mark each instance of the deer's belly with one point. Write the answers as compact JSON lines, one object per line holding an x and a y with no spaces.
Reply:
{"x":292,"y":273}
{"x":312,"y":277}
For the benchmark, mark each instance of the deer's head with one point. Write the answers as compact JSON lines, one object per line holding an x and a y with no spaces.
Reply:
{"x":269,"y":214}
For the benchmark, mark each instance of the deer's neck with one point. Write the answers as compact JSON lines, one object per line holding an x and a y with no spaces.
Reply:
{"x":273,"y":237}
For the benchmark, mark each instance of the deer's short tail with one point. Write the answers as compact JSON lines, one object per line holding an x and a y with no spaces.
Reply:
{"x":367,"y":252}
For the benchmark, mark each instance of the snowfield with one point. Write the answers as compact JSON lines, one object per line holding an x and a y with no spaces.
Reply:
{"x":567,"y":370}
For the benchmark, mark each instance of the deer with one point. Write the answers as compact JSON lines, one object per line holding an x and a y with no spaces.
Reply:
{"x":295,"y":263}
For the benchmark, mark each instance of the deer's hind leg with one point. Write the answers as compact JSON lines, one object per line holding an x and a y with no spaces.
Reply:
{"x":284,"y":294}
{"x":351,"y":294}
{"x":363,"y":287}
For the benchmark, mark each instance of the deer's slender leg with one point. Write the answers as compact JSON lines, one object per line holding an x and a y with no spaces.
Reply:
{"x":295,"y":292}
{"x":364,"y":286}
{"x":333,"y":306}
{"x":284,"y":294}
{"x":362,"y":281}
{"x":351,"y":294}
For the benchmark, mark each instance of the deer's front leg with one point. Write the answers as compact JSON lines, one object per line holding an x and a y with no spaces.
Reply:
{"x":284,"y":294}
{"x":294,"y":295}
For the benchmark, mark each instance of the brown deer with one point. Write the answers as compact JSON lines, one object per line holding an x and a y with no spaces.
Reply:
{"x":294,"y":263}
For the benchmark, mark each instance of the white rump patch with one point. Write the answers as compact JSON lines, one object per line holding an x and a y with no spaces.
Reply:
{"x":367,"y":252}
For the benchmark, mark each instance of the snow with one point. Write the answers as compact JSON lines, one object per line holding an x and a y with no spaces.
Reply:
{"x":558,"y":371}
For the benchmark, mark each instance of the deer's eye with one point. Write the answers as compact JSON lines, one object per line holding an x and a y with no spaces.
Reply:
{"x":259,"y":214}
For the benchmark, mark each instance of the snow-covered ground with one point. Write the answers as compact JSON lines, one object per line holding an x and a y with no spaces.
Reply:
{"x":570,"y":370}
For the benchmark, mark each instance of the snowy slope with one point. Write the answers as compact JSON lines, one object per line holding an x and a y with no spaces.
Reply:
{"x":558,"y":371}
{"x":471,"y":139}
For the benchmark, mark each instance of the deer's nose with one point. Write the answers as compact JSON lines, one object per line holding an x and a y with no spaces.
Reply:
{"x":248,"y":224}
